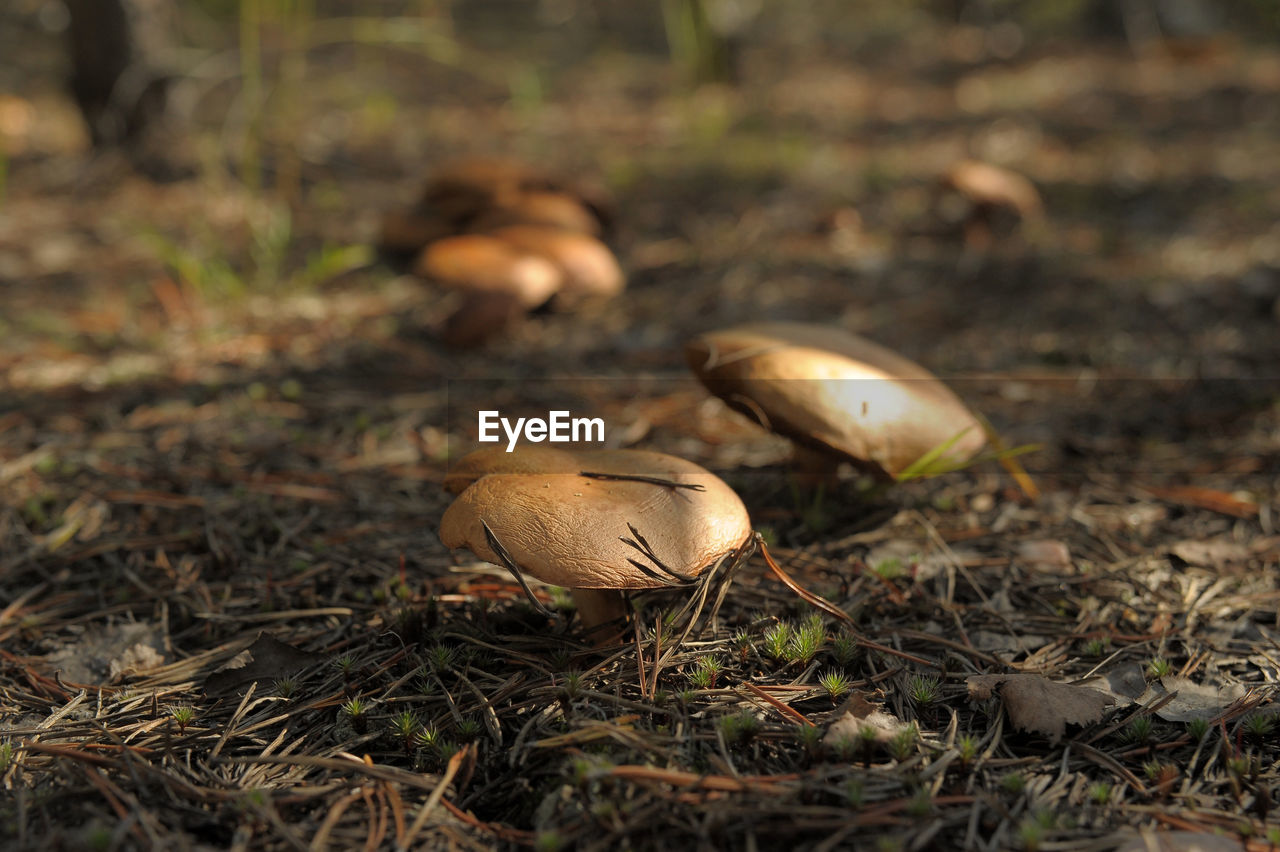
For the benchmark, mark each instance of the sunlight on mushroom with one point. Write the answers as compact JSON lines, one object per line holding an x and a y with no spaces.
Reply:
{"x":598,"y":523}
{"x":836,"y":395}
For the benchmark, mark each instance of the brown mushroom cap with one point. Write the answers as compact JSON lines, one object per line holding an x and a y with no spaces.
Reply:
{"x":477,"y":262}
{"x":566,"y":529}
{"x":466,"y":189}
{"x":552,"y":209}
{"x":589,"y":267}
{"x":830,"y":390}
{"x":983,"y":183}
{"x":496,"y":459}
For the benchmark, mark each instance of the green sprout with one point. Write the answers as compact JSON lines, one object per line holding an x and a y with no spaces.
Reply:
{"x":358,"y":712}
{"x":924,"y":690}
{"x":807,"y":640}
{"x":405,"y":725}
{"x":810,"y":737}
{"x":469,"y":730}
{"x":1139,"y":730}
{"x":441,"y":657}
{"x":345,"y":664}
{"x":1013,"y":783}
{"x":427,"y":737}
{"x":1099,"y":793}
{"x":1095,"y":647}
{"x":903,"y":744}
{"x":845,"y":747}
{"x":183,"y":715}
{"x":776,"y":639}
{"x":888,"y":569}
{"x":1197,"y":728}
{"x":548,"y":841}
{"x":571,"y":685}
{"x":705,"y":673}
{"x":739,"y":727}
{"x":834,"y":682}
{"x":1259,"y":725}
{"x":286,"y":687}
{"x":843,"y":649}
{"x":6,"y":756}
{"x":1158,"y":668}
{"x":1030,"y":834}
{"x":967,"y":748}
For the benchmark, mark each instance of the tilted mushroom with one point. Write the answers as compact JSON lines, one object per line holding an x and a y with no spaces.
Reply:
{"x":835,"y":394}
{"x":596,"y":522}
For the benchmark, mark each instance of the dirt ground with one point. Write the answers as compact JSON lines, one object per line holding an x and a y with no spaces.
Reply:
{"x":224,"y":424}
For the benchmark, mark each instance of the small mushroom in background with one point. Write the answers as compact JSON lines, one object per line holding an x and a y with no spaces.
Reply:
{"x":552,"y":209}
{"x":597,"y":523}
{"x":485,"y":264}
{"x":509,"y":236}
{"x":838,"y":396}
{"x":986,"y":202}
{"x":589,"y":268}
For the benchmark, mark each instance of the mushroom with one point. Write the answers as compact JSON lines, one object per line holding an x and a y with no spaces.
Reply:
{"x":596,"y":522}
{"x":501,"y":283}
{"x":838,"y":396}
{"x":477,"y":194}
{"x":589,"y":268}
{"x":509,"y":237}
{"x":554,"y":209}
{"x":986,"y":200}
{"x":486,"y":264}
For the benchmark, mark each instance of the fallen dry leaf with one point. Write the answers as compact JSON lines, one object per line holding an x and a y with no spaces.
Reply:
{"x":1214,"y":553}
{"x":137,"y":659}
{"x":266,"y":659}
{"x":1035,"y":703}
{"x":105,"y":653}
{"x":1193,"y":700}
{"x":861,"y":715}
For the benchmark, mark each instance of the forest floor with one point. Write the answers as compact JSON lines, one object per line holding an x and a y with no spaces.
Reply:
{"x":223,"y":428}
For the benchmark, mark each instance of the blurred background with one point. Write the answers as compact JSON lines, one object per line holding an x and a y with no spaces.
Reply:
{"x":205,"y":221}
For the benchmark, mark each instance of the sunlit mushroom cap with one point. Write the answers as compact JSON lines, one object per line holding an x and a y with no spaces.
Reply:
{"x":983,"y":183}
{"x":567,"y":529}
{"x":833,"y":391}
{"x":589,"y":267}
{"x":481,"y":263}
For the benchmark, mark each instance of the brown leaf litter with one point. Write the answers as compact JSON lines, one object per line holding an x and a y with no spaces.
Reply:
{"x":1036,"y":704}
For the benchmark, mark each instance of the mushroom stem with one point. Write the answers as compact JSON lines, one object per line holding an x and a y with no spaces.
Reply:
{"x":602,"y":611}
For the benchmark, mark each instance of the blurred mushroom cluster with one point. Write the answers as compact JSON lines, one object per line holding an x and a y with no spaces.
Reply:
{"x":509,"y":238}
